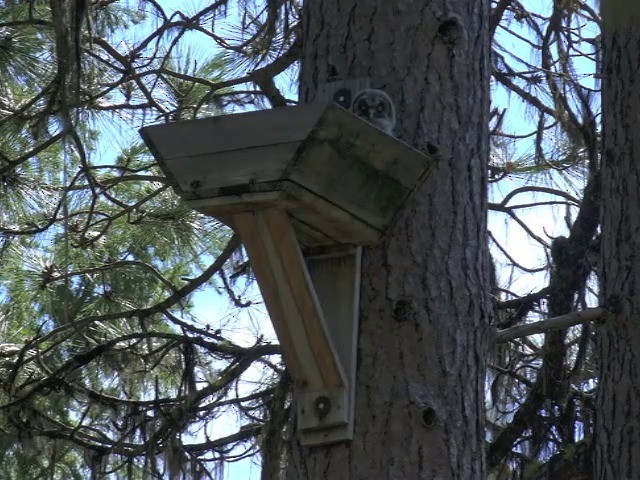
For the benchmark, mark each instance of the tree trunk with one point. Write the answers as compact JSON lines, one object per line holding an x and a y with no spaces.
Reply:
{"x":617,"y":424}
{"x":424,"y":300}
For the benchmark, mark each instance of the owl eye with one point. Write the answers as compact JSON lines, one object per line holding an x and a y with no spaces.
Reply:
{"x":362,"y":108}
{"x":380,"y":108}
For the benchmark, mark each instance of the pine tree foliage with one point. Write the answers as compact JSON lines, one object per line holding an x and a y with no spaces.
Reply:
{"x":106,"y":372}
{"x":546,"y":66}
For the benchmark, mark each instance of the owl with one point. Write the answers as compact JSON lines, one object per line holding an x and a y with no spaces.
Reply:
{"x":375,"y":107}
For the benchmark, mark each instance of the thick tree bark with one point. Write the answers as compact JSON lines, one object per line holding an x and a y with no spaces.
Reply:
{"x":425,"y":309}
{"x":617,"y":425}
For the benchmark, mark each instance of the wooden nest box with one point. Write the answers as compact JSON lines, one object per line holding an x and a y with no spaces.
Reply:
{"x":304,"y":187}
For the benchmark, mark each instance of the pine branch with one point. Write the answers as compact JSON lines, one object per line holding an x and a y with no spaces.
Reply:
{"x":556,"y":323}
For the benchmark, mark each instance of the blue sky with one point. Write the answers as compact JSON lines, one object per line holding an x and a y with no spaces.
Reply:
{"x":212,"y":307}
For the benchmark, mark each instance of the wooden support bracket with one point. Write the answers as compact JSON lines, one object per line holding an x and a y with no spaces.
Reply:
{"x":313,"y":304}
{"x":313,"y":178}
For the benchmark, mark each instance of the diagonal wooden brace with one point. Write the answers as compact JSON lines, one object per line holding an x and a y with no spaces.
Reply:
{"x":324,"y":390}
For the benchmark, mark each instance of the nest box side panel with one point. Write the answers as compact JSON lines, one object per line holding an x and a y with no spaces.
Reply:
{"x":230,"y":172}
{"x":200,"y":156}
{"x":358,"y":167}
{"x":192,"y":138}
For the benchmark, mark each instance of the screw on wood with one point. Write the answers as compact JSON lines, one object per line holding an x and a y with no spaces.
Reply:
{"x":343,"y":98}
{"x":322,"y":405}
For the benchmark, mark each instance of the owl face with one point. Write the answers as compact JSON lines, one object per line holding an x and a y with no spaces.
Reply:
{"x":375,"y":107}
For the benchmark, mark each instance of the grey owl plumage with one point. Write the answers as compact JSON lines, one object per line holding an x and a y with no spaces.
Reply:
{"x":375,"y":107}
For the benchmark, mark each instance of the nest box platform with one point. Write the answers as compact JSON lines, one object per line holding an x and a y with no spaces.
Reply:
{"x":290,"y":179}
{"x":341,"y":180}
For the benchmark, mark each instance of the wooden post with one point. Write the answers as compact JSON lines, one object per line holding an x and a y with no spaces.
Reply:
{"x":290,"y":297}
